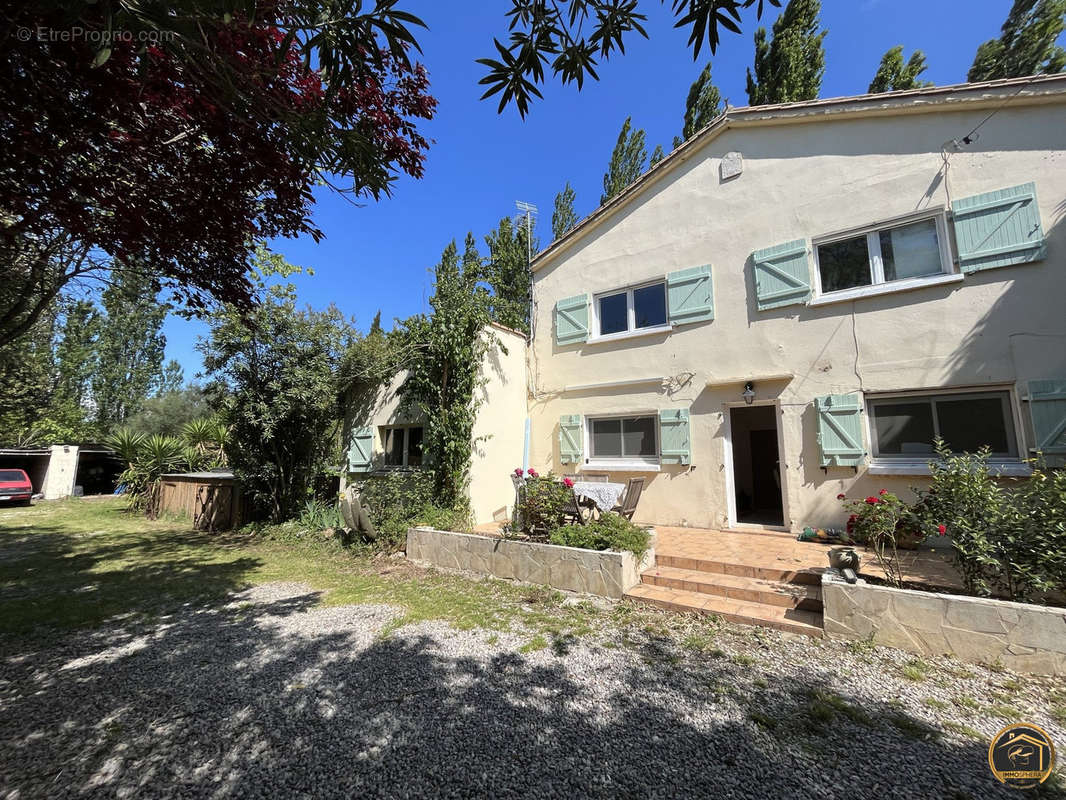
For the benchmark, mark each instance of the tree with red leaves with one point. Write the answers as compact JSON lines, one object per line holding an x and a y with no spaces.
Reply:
{"x":176,"y":136}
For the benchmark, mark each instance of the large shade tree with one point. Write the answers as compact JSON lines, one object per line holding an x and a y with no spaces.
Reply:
{"x":893,"y":74}
{"x":571,"y":37}
{"x":177,"y":134}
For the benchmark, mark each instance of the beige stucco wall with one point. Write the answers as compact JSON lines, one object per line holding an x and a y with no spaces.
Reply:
{"x":995,"y":328}
{"x":62,"y":471}
{"x":500,"y":428}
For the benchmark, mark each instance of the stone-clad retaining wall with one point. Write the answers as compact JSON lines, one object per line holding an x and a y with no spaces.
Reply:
{"x":606,"y":573}
{"x":1022,"y":637}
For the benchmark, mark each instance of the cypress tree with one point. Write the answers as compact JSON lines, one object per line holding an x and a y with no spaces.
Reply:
{"x":703,"y":104}
{"x":1026,"y":45}
{"x":563,"y":215}
{"x":789,"y":68}
{"x":893,"y":75}
{"x":627,"y":161}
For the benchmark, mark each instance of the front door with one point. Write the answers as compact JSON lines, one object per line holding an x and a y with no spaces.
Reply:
{"x":756,"y":465}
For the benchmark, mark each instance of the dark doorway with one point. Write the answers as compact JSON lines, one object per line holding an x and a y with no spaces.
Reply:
{"x":756,"y":465}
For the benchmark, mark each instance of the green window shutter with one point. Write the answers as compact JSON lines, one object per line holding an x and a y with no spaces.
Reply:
{"x":570,"y":438}
{"x":361,"y":450}
{"x":572,"y":320}
{"x":675,"y":446}
{"x":840,"y":430}
{"x":782,"y":277}
{"x":998,"y":229}
{"x":1047,"y":409}
{"x":691,"y":295}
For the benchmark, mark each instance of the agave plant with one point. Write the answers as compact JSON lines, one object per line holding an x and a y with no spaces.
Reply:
{"x":204,"y":441}
{"x":147,"y":458}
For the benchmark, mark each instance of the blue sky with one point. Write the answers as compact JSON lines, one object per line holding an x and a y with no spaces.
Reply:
{"x":378,"y":256}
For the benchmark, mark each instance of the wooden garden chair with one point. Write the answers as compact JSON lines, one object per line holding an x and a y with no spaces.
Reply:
{"x":628,"y":506}
{"x":572,"y":512}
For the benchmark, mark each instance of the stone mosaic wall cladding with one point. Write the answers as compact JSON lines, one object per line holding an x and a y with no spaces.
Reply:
{"x":606,"y":573}
{"x":1022,"y":637}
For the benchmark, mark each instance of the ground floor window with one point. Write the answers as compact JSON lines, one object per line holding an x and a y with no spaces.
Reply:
{"x":624,"y":438}
{"x":906,"y":426}
{"x":402,"y":446}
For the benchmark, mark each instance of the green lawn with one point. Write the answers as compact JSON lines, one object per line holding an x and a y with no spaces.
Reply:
{"x":79,"y":562}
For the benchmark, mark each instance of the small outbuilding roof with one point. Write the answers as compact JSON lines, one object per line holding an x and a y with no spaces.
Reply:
{"x":224,"y":474}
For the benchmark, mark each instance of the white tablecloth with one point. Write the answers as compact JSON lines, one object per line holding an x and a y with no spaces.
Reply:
{"x":604,"y":495}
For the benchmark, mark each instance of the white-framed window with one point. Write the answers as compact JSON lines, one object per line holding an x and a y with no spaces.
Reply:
{"x":402,"y":445}
{"x":903,"y":427}
{"x":899,"y":254}
{"x":632,"y":310}
{"x":630,"y":439}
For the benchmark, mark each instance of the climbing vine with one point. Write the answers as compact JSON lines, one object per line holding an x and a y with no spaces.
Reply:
{"x":444,"y":384}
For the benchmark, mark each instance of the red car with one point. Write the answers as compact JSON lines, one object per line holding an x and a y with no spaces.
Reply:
{"x":15,"y":486}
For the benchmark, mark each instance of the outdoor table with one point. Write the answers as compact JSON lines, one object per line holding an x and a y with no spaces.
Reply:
{"x":604,"y":495}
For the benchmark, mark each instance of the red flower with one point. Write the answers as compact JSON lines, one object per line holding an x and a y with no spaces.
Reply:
{"x":840,"y":496}
{"x":518,"y":471}
{"x":872,"y":500}
{"x":941,"y":529}
{"x":883,"y":491}
{"x":853,"y":517}
{"x":569,"y":484}
{"x":532,"y":473}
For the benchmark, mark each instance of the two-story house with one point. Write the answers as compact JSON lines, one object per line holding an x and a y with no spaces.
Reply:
{"x":796,"y":302}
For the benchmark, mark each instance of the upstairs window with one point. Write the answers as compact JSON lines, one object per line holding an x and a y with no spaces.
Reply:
{"x":908,"y":251}
{"x":630,"y":310}
{"x":402,"y":446}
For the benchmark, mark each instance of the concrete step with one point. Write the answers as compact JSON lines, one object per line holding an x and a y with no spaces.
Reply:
{"x":736,"y":587}
{"x":778,"y":574}
{"x":779,"y":618}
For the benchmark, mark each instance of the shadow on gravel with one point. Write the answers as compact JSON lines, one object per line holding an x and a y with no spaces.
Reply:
{"x":268,"y":700}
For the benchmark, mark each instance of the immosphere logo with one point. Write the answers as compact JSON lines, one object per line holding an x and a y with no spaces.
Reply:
{"x":1021,"y":756}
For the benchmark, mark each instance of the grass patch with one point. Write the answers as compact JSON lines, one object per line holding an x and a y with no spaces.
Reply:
{"x":915,"y":670}
{"x":1057,"y":701}
{"x":823,"y":706}
{"x":962,"y":730}
{"x":909,"y":726}
{"x":764,"y":721}
{"x":932,"y":702}
{"x":862,"y":646}
{"x":118,"y":565}
{"x":1004,"y":711}
{"x":538,"y":642}
{"x":743,"y":660}
{"x":967,"y":702}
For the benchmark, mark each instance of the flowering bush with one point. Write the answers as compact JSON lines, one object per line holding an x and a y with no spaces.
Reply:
{"x":541,"y":504}
{"x":1007,"y":540}
{"x":883,"y":514}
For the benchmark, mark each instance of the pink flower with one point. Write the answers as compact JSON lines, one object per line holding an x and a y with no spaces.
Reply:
{"x":883,"y":492}
{"x":532,"y":473}
{"x":569,"y":484}
{"x":840,"y":496}
{"x":518,"y":471}
{"x":941,"y":529}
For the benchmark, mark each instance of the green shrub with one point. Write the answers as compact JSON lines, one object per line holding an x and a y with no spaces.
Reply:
{"x":1009,"y":541}
{"x":317,"y":516}
{"x":609,"y":532}
{"x":543,"y":504}
{"x":397,"y":500}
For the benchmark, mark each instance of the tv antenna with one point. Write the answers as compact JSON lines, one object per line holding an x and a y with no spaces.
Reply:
{"x":529,"y":211}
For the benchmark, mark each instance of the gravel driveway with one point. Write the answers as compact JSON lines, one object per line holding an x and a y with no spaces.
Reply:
{"x":274,"y":696}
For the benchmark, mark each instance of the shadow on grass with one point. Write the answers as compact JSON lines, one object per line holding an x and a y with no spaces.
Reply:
{"x":53,"y":573}
{"x":273,"y":700}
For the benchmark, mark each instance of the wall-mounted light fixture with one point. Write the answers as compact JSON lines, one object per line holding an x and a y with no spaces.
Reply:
{"x":749,"y":393}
